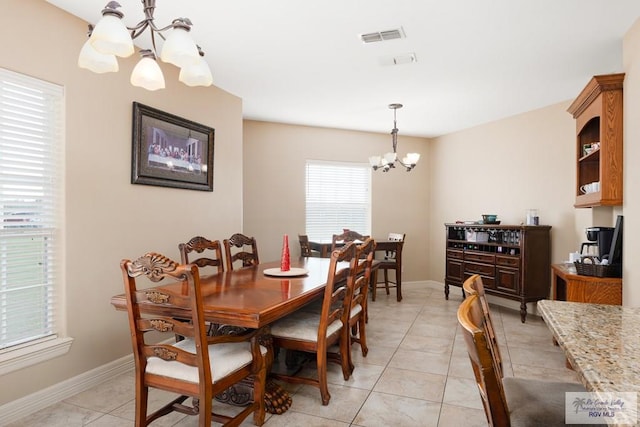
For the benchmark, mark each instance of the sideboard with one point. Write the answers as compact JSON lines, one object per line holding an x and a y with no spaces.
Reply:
{"x":513,"y":260}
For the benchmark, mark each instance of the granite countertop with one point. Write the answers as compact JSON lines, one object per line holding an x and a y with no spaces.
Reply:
{"x":602,"y":342}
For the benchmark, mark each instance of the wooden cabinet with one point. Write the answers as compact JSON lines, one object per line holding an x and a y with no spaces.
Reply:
{"x":598,"y":114}
{"x":569,"y":286}
{"x":513,"y":260}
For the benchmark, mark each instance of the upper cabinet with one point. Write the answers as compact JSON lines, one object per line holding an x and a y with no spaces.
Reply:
{"x":598,"y":114}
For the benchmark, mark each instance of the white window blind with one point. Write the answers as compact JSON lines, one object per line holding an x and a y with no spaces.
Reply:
{"x":338,"y":196}
{"x":31,"y":130}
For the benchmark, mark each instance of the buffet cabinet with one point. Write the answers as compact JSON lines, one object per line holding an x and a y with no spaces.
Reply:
{"x":513,"y":260}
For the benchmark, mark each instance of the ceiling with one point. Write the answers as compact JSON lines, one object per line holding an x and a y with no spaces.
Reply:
{"x":303,"y":62}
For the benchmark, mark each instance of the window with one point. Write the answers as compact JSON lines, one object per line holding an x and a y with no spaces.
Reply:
{"x":338,"y":196}
{"x":31,"y":191}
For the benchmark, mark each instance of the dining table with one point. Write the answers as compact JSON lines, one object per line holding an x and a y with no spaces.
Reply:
{"x":601,"y":343}
{"x":251,"y":297}
{"x":248,"y":297}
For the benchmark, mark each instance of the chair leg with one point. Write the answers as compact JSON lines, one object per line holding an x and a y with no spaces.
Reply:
{"x":346,"y":362}
{"x":321,"y":359}
{"x":363,"y":336}
{"x":142,"y":397}
{"x":374,"y":284}
{"x":259,"y":387}
{"x":386,"y":280}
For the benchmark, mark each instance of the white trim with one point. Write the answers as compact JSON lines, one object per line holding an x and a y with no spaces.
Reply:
{"x":31,"y":354}
{"x":20,"y":408}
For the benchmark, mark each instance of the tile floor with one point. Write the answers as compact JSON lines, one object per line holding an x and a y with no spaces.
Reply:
{"x":417,"y":373}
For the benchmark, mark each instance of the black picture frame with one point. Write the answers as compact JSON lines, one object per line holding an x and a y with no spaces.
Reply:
{"x":170,"y":151}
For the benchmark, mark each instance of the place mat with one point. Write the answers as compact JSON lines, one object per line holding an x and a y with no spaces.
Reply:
{"x":294,"y":271}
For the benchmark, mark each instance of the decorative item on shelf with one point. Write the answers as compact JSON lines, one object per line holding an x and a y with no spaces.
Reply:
{"x":532,"y":217}
{"x":389,"y":160}
{"x":490,"y":219}
{"x":587,"y":149}
{"x":110,"y":38}
{"x":285,"y":261}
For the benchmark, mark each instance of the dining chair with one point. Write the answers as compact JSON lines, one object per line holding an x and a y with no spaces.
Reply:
{"x":198,"y":366}
{"x":474,"y":286}
{"x":245,"y":250}
{"x":346,"y":237}
{"x":199,"y":245}
{"x":392,"y":261}
{"x":359,"y":291}
{"x":509,"y":401}
{"x":314,"y":332}
{"x":305,"y":247}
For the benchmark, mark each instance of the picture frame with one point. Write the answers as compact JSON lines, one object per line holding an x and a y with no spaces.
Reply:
{"x":170,"y":151}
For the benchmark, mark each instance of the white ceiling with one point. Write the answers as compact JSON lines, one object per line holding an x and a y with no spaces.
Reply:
{"x":302,"y":62}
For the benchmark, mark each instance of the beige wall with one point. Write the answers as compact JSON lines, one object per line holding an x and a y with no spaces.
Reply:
{"x":506,"y":167}
{"x":107,"y":218}
{"x":274,"y":194}
{"x":631,"y":59}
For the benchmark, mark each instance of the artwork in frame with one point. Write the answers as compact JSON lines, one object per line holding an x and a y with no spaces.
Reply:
{"x":170,"y":151}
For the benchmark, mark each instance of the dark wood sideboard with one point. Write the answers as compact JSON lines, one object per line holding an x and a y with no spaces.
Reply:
{"x":513,"y":260}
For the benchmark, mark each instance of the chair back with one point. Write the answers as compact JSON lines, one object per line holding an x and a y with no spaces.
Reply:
{"x":473,"y":326}
{"x":148,"y":354}
{"x":361,"y":276}
{"x":394,"y":237}
{"x":245,"y":250}
{"x":336,"y":301}
{"x":474,"y":286}
{"x":305,"y":247}
{"x":199,"y":245}
{"x":346,"y":237}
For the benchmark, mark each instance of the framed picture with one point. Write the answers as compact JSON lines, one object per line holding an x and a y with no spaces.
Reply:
{"x":170,"y":151}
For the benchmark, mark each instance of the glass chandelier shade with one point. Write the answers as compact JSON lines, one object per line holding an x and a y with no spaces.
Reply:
{"x":389,"y":160}
{"x":111,"y":38}
{"x":197,"y":74}
{"x":95,"y":61}
{"x":147,"y":73}
{"x":179,"y":48}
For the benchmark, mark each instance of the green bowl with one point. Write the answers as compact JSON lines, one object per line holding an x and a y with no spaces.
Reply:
{"x":489,"y":218}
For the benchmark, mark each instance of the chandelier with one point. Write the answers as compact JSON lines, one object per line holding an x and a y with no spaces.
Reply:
{"x":110,"y":38}
{"x":389,"y":160}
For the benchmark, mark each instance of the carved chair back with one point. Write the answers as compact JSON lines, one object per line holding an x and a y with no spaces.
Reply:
{"x":199,"y":245}
{"x":241,"y":248}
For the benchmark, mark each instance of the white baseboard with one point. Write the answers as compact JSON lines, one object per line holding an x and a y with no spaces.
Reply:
{"x":27,"y":405}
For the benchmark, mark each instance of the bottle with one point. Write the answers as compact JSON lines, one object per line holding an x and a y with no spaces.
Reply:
{"x":285,"y":261}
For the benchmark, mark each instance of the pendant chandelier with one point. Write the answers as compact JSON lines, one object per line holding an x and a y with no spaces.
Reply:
{"x":389,"y":160}
{"x":111,"y":38}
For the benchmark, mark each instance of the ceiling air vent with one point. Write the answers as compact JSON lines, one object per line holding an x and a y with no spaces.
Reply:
{"x":381,"y":36}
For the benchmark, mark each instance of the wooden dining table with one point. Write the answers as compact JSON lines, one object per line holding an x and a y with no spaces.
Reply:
{"x":247,"y":297}
{"x":601,"y":342}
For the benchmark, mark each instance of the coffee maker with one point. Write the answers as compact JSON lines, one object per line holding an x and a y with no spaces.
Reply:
{"x":599,"y":241}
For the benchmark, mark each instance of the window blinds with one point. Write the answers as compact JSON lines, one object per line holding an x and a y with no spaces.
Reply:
{"x":338,"y":196}
{"x":31,"y":129}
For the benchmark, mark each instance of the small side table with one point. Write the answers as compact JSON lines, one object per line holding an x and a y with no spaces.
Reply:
{"x":567,"y":285}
